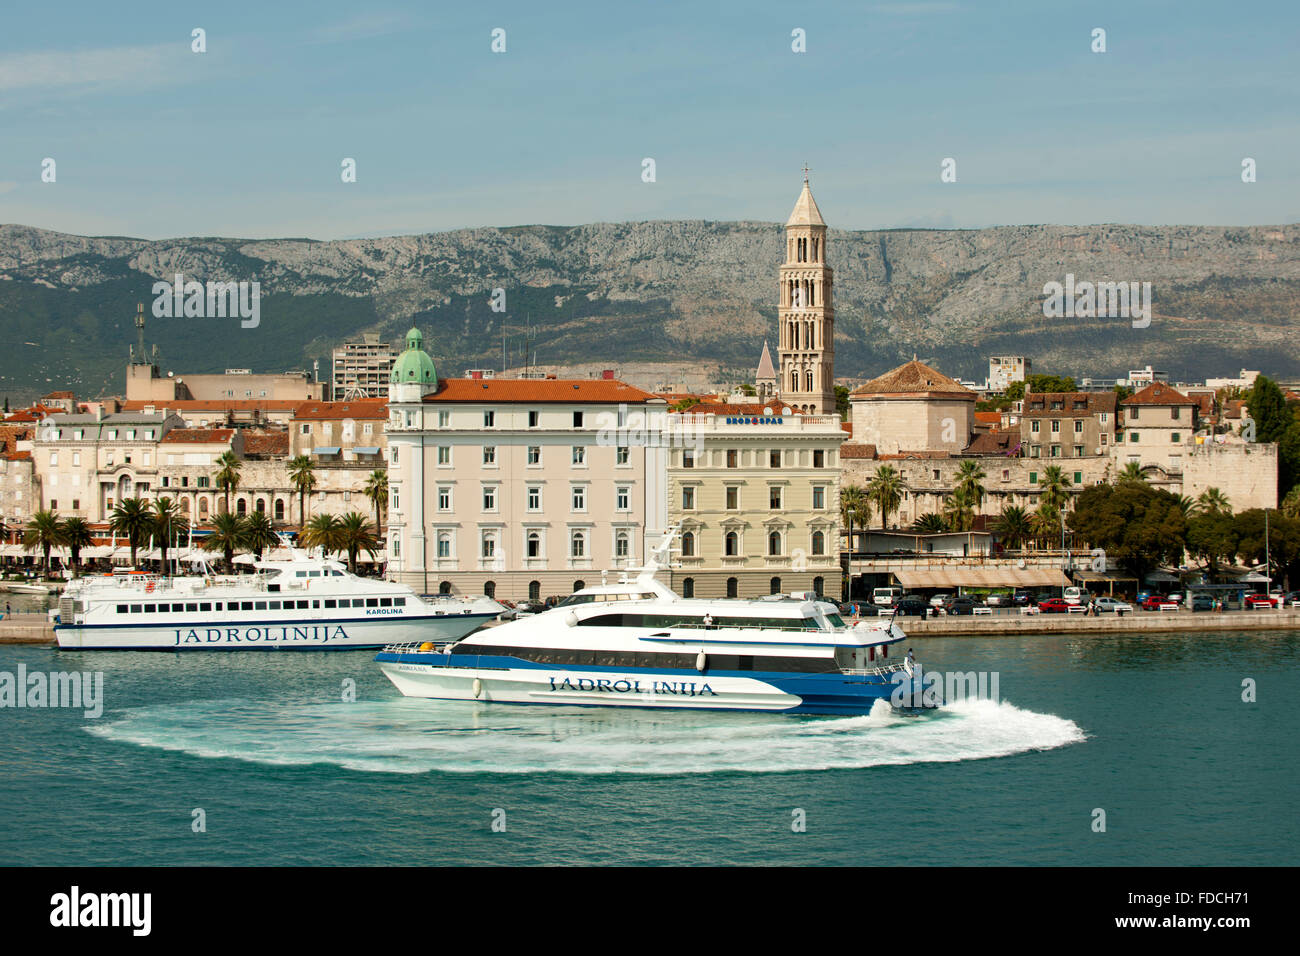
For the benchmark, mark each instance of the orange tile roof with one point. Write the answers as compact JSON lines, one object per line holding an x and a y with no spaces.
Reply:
{"x":851,"y":450}
{"x":1158,"y":393}
{"x":59,"y":395}
{"x":205,"y":435}
{"x":989,"y":418}
{"x":914,"y":379}
{"x":540,"y":391}
{"x":268,"y":443}
{"x":376,"y":408}
{"x":215,"y":404}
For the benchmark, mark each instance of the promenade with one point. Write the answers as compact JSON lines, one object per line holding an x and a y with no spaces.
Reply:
{"x":1012,"y":622}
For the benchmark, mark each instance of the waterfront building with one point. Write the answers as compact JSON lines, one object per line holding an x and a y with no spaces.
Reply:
{"x":518,"y":488}
{"x":755,"y":490}
{"x":187,"y":462}
{"x":340,"y":432}
{"x":1068,"y":424}
{"x":913,"y":408}
{"x":1158,"y":425}
{"x":806,"y":312}
{"x":362,"y":369}
{"x":18,"y":484}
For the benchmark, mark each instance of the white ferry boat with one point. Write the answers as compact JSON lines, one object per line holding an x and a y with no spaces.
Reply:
{"x":304,"y":602}
{"x":638,"y":644}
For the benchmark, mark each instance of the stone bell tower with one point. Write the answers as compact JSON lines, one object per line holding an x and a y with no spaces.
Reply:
{"x":806,"y":313}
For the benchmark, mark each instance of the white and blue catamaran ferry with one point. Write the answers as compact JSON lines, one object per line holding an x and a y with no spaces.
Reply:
{"x":638,"y":644}
{"x":303,"y":602}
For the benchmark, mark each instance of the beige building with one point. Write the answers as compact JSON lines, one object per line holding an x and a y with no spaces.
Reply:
{"x":1158,"y":428}
{"x":756,"y":494}
{"x":517,"y":488}
{"x":806,"y":312}
{"x":361,"y":369}
{"x":1005,"y":369}
{"x":350,"y":432}
{"x":1068,"y":424}
{"x":913,"y":408}
{"x":18,"y":485}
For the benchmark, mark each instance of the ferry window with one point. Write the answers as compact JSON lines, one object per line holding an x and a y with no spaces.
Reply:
{"x":136,"y":608}
{"x":300,"y":574}
{"x":217,"y":606}
{"x":205,"y":606}
{"x":358,"y":602}
{"x":191,"y":607}
{"x":150,"y":609}
{"x":302,"y":605}
{"x":275,"y":605}
{"x":260,"y":605}
{"x":372,"y":602}
{"x":121,"y":609}
{"x":313,"y":574}
{"x":178,"y":607}
{"x":316,"y":604}
{"x":835,"y":620}
{"x":329,"y":602}
{"x":246,"y":605}
{"x":385,"y":602}
{"x":399,"y":602}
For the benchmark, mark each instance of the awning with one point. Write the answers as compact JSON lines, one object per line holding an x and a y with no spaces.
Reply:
{"x":368,"y":450}
{"x":982,"y":578}
{"x":329,"y":450}
{"x":1103,"y":576}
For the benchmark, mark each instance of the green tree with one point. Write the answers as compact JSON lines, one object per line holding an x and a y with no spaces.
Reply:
{"x":45,"y":532}
{"x":1055,"y":487}
{"x":855,"y":510}
{"x":1212,"y":536}
{"x":885,"y":489}
{"x":323,"y":532}
{"x":227,"y":537}
{"x":1279,"y":541}
{"x":302,"y":475}
{"x":1122,"y":392}
{"x":842,"y":404}
{"x":227,"y":476}
{"x":132,"y":517}
{"x":1212,"y":501}
{"x":1132,"y":472}
{"x":1051,"y":383}
{"x":684,"y":404}
{"x":959,"y":509}
{"x":76,"y":535}
{"x":930,"y":523}
{"x":169,"y":522}
{"x":259,"y":533}
{"x":1015,"y":391}
{"x":1138,"y":526}
{"x":970,"y":481}
{"x":377,"y":492}
{"x":1269,"y":410}
{"x":354,"y":535}
{"x":1014,"y":527}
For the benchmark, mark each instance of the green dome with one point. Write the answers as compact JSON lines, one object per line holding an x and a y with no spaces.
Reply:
{"x":414,"y":365}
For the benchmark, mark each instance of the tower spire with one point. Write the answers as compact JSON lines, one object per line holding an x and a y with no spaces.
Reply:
{"x":806,"y":313}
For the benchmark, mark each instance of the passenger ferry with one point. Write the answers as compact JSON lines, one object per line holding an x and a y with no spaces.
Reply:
{"x":305,"y":602}
{"x":638,"y":644}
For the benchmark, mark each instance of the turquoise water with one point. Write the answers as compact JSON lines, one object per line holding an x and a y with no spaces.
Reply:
{"x":1149,"y":728}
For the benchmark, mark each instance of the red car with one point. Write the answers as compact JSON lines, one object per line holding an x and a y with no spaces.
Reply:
{"x":1053,"y":606}
{"x":1260,"y":600}
{"x":1155,"y":602}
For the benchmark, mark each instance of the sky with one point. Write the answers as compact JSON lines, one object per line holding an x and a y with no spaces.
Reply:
{"x":247,"y":139}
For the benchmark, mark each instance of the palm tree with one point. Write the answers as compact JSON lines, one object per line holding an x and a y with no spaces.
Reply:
{"x":227,"y":537}
{"x":1014,"y":526}
{"x":322,"y":532}
{"x":959,"y":510}
{"x":855,"y":509}
{"x":1055,"y":487}
{"x":970,"y":480}
{"x":1212,"y":501}
{"x":886,"y":491}
{"x":168,"y":523}
{"x":45,"y":532}
{"x":302,"y":475}
{"x":377,"y":492}
{"x":76,"y":535}
{"x":1132,"y":472}
{"x":930,"y":523}
{"x":1188,"y":506}
{"x":259,"y":533}
{"x":1046,"y":523}
{"x":354,"y":534}
{"x":134,"y":518}
{"x":227,"y":477}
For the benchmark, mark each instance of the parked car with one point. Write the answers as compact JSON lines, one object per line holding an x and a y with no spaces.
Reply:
{"x":1157,"y":602}
{"x":939,"y":600}
{"x":1022,"y":598}
{"x":865,"y":609}
{"x":1254,"y":601}
{"x":1291,"y":599}
{"x":1075,"y":595}
{"x":1202,"y":602}
{"x":912,"y":606}
{"x":999,"y":600}
{"x":961,"y":605}
{"x":1110,"y":605}
{"x":528,"y":608}
{"x":1053,"y":606}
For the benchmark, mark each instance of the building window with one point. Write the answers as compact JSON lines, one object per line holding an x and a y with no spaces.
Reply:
{"x":934,"y":474}
{"x":731,"y":544}
{"x":819,"y":586}
{"x":534,"y":544}
{"x":577,"y":419}
{"x":1078,"y":477}
{"x":688,"y":498}
{"x":1173,"y":437}
{"x":775,"y":585}
{"x":1078,"y":451}
{"x":1175,"y":413}
{"x":622,"y":545}
{"x":818,"y":543}
{"x":623,"y":498}
{"x":444,"y":545}
{"x":490,"y":589}
{"x":774,"y":458}
{"x":688,"y":458}
{"x":578,"y":544}
{"x":489,"y":544}
{"x":444,"y":454}
{"x":534,"y":454}
{"x":490,"y":498}
{"x":688,"y":544}
{"x":688,"y":587}
{"x":579,"y":454}
{"x":1056,"y":451}
{"x":733,"y":458}
{"x":774,"y":498}
{"x":579,"y":498}
{"x":1133,"y":436}
{"x":534,"y":418}
{"x":444,"y":499}
{"x":1078,"y":427}
{"x":819,"y":498}
{"x":279,"y":509}
{"x":1033,"y":426}
{"x":774,"y":543}
{"x":444,"y":419}
{"x":819,"y":458}
{"x":534,"y":590}
{"x":1133,"y":412}
{"x":489,"y":419}
{"x":534,"y":498}
{"x":733,"y":498}
{"x":489,"y":454}
{"x":393,"y":454}
{"x":1033,"y":477}
{"x":1056,"y":426}
{"x":733,"y":587}
{"x":622,"y":455}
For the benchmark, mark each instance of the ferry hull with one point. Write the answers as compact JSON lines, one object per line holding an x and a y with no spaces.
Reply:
{"x":510,"y":680}
{"x":312,"y":635}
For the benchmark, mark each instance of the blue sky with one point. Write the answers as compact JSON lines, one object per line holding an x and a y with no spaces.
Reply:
{"x":246,"y":140}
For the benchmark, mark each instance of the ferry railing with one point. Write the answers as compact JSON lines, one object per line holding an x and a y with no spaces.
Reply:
{"x":417,"y":647}
{"x":878,"y":670}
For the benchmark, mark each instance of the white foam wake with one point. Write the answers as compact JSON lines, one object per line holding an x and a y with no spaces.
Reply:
{"x":418,"y":736}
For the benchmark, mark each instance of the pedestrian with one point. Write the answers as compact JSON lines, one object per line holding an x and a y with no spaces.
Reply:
{"x":911,"y":658}
{"x":708,"y":619}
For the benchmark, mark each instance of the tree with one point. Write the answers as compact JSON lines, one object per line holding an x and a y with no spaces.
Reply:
{"x":1269,"y":410}
{"x":1045,"y":523}
{"x":377,"y":492}
{"x":747,"y":389}
{"x":1013,"y":527}
{"x":970,"y":481}
{"x":1291,"y":503}
{"x":1279,"y":541}
{"x":227,"y":537}
{"x":1212,"y":501}
{"x":885,"y":491}
{"x":169,"y":522}
{"x":76,"y":535}
{"x":1132,"y":472}
{"x":1213,"y":537}
{"x":842,"y":404}
{"x":930,"y":523}
{"x":354,"y":535}
{"x":1050,"y":383}
{"x":1015,"y":391}
{"x":323,"y":532}
{"x":855,"y":509}
{"x":959,"y":509}
{"x":1122,"y":392}
{"x":302,"y":475}
{"x":259,"y":533}
{"x":132,"y":517}
{"x":1138,"y":526}
{"x":45,"y":532}
{"x":684,"y":404}
{"x":1055,"y":485}
{"x":227,"y":476}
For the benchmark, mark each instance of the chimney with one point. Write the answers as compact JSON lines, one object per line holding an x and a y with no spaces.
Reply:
{"x":476,"y":373}
{"x":607,"y":375}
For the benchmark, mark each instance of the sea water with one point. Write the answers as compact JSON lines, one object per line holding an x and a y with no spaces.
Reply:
{"x":1102,"y":749}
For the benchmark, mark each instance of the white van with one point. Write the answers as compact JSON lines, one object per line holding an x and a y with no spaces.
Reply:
{"x":1077,"y":596}
{"x":886,"y":597}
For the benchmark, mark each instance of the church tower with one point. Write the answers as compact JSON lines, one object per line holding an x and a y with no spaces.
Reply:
{"x":806,"y":313}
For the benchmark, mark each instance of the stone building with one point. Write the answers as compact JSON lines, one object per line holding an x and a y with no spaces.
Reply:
{"x":340,"y":432}
{"x":1068,"y":424}
{"x":913,"y":408}
{"x":806,"y":312}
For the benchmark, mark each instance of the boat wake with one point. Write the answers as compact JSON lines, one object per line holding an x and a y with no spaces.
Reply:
{"x":418,"y":736}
